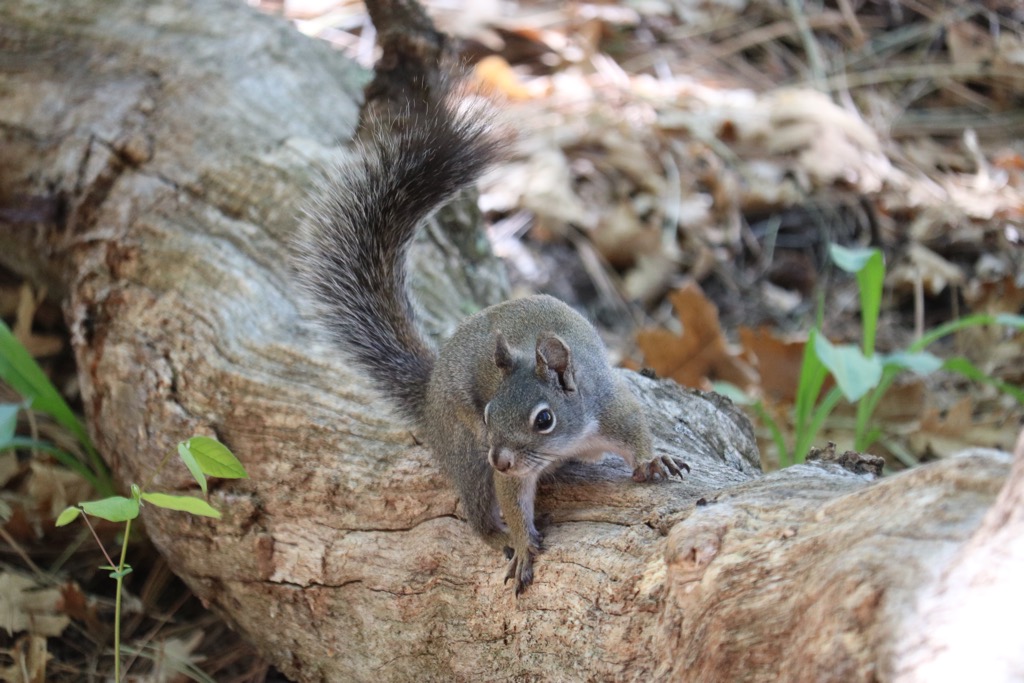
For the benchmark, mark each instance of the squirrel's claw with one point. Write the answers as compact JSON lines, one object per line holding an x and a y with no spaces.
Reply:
{"x":675,"y":465}
{"x":661,"y":467}
{"x":520,"y":562}
{"x":520,"y":568}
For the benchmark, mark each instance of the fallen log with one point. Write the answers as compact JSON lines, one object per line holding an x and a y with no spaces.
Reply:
{"x":156,"y":158}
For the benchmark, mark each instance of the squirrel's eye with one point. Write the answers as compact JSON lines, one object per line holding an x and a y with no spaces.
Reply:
{"x":544,"y":421}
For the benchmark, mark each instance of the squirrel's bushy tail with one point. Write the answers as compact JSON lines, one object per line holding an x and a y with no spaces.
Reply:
{"x":351,"y":251}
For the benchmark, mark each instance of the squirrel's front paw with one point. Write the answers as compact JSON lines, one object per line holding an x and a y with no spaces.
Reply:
{"x":520,"y":568}
{"x":520,"y":562}
{"x":661,"y":467}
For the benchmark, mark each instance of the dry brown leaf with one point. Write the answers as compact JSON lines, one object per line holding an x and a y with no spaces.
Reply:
{"x":1010,"y":49}
{"x":1005,"y":295}
{"x":925,"y":266}
{"x":29,"y":656}
{"x":701,"y":353}
{"x":927,"y":153}
{"x":968,"y":44}
{"x":470,"y":20}
{"x":53,"y":488}
{"x":169,"y":656}
{"x":38,"y":346}
{"x":1009,"y":160}
{"x":10,"y":296}
{"x":9,"y":466}
{"x":902,"y":402}
{"x":588,"y":34}
{"x":996,"y":349}
{"x":626,"y":153}
{"x":831,"y":144}
{"x":25,"y":605}
{"x":621,"y":236}
{"x":649,"y":276}
{"x":1004,"y":360}
{"x":979,"y":198}
{"x":778,"y":361}
{"x":957,"y":430}
{"x":784,"y":301}
{"x":701,"y":15}
{"x":494,"y":74}
{"x":77,"y":605}
{"x":546,"y":188}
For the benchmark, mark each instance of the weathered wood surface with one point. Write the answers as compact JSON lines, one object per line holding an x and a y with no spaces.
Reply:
{"x":155,"y":157}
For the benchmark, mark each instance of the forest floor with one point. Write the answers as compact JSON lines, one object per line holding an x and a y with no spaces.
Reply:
{"x":681,"y":170}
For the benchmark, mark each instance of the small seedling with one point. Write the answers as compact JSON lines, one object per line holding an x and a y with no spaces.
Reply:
{"x":861,"y":375}
{"x":203,"y":457}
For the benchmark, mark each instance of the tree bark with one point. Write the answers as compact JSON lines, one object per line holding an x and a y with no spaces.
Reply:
{"x":156,"y":157}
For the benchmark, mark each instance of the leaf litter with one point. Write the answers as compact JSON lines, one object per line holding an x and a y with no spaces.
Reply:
{"x":680,"y":170}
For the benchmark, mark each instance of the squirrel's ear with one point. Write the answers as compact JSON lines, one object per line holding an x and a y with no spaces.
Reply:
{"x":503,"y":354}
{"x":555,"y":360}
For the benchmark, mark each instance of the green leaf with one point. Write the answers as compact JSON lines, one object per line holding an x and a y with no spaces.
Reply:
{"x":855,"y":373}
{"x":67,"y":516}
{"x":193,"y":466}
{"x":196,"y":506}
{"x":742,"y":398}
{"x":66,"y":459}
{"x":971,"y":371}
{"x":976,"y":320}
{"x":733,"y":393}
{"x":918,"y":362}
{"x":23,"y":442}
{"x":23,"y":374}
{"x":869,"y":266}
{"x":20,"y":370}
{"x":113,"y":509}
{"x":1011,"y":320}
{"x":812,"y":379}
{"x":119,"y":574}
{"x":214,"y":458}
{"x":852,"y":260}
{"x":8,"y":420}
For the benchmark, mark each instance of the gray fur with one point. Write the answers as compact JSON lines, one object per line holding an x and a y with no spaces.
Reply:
{"x":501,"y":363}
{"x":351,"y":251}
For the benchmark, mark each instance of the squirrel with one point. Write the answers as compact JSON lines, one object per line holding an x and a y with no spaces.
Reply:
{"x":518,"y":389}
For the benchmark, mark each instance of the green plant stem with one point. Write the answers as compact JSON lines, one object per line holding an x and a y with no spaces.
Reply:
{"x":117,"y":603}
{"x":950,"y":327}
{"x":776,"y":431}
{"x":117,"y":595}
{"x":812,"y":379}
{"x":157,"y":471}
{"x":821,"y":413}
{"x":866,"y":408}
{"x":900,"y":452}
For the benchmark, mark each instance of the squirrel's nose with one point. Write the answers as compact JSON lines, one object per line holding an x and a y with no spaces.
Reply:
{"x":501,"y":459}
